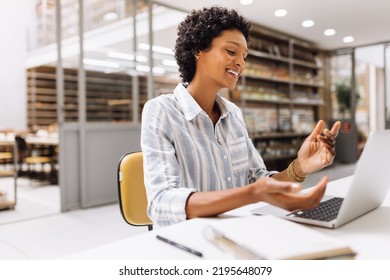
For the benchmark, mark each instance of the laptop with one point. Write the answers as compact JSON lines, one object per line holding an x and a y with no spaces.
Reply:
{"x":369,"y":186}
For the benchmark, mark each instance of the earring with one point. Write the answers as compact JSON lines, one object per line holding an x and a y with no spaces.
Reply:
{"x":196,"y":56}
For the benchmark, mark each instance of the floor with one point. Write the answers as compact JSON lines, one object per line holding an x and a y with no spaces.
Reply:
{"x":36,"y":229}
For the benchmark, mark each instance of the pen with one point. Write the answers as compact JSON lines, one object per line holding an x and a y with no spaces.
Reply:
{"x":180,"y":246}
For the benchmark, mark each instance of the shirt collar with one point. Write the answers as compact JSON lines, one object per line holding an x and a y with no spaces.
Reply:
{"x":191,"y":108}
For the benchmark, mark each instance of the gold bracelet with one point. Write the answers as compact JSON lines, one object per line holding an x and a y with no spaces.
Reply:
{"x":292,"y":175}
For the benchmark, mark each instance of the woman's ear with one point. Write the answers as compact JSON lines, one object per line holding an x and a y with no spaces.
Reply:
{"x":196,"y":56}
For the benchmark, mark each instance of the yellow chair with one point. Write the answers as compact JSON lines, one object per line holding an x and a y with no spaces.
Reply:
{"x":131,"y":190}
{"x":6,"y":157}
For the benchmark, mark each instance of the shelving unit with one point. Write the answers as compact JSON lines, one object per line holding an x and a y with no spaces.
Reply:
{"x":8,"y":203}
{"x":109,"y":96}
{"x":281,"y":94}
{"x":8,"y":170}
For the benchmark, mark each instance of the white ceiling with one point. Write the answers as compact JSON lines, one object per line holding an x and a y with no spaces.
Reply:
{"x":368,"y":21}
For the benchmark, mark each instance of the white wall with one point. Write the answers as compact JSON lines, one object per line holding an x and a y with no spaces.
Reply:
{"x":13,"y":104}
{"x":371,"y":55}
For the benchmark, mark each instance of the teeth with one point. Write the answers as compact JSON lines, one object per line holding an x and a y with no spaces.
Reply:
{"x":233,"y":72}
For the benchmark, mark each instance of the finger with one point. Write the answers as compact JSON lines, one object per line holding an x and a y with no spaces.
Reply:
{"x":317,"y":130}
{"x":315,"y":195}
{"x":274,"y":186}
{"x":328,"y":141}
{"x":322,"y":183}
{"x":328,"y":134}
{"x":336,"y":128}
{"x":330,"y":150}
{"x":319,"y":189}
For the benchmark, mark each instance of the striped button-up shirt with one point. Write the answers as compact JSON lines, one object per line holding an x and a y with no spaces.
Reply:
{"x":184,"y":153}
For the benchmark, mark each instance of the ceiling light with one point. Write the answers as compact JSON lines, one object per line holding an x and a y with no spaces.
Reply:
{"x":158,"y":70}
{"x":103,"y":63}
{"x":127,"y":56}
{"x":348,"y":39}
{"x":169,"y":62}
{"x":120,"y":55}
{"x":329,"y":32}
{"x":246,"y":2}
{"x":162,"y":50}
{"x":110,"y":16}
{"x":280,"y":13}
{"x":142,"y":68}
{"x":158,"y":49}
{"x":307,"y":23}
{"x":145,"y":68}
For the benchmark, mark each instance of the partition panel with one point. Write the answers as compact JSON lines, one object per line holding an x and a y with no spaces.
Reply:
{"x":105,"y":146}
{"x":106,"y":143}
{"x":69,"y":175}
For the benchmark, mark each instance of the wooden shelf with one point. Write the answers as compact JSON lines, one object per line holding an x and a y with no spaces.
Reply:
{"x":101,"y":91}
{"x":281,"y":94}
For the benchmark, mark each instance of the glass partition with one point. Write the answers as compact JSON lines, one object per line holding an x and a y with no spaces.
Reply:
{"x":122,"y":71}
{"x":341,"y":78}
{"x":369,"y":69}
{"x":387,"y":85}
{"x":97,"y":14}
{"x":343,"y":105}
{"x":165,"y":69}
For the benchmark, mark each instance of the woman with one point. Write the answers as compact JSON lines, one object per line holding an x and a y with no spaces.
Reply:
{"x":198,"y":158}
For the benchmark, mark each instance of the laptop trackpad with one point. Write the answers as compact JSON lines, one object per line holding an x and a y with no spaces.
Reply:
{"x":270,"y":210}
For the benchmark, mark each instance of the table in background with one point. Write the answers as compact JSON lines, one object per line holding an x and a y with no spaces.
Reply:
{"x":40,"y":146}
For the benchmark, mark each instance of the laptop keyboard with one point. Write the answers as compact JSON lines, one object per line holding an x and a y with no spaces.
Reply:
{"x":326,"y":211}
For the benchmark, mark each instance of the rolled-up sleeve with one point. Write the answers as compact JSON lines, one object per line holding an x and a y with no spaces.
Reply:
{"x":166,"y":197}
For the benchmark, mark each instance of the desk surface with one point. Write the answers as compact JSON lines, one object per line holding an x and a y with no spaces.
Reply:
{"x":368,"y":235}
{"x":33,"y":140}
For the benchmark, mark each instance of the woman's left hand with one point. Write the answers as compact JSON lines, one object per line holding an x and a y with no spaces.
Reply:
{"x":317,"y":151}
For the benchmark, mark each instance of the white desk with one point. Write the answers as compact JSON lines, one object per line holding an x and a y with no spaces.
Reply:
{"x":368,"y":235}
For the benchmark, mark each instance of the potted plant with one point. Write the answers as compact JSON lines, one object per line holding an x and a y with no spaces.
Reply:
{"x":346,"y":144}
{"x":343,"y":94}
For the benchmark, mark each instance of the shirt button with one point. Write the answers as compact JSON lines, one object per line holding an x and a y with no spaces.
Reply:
{"x":225,"y":157}
{"x":229,"y":179}
{"x":219,"y":140}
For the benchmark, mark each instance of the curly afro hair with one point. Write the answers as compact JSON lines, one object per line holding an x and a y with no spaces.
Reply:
{"x":197,"y":31}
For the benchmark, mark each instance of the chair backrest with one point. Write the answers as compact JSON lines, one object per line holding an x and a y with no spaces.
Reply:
{"x":21,"y":147}
{"x":131,"y":190}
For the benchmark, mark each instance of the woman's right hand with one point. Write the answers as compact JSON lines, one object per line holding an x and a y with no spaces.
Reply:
{"x":286,"y":194}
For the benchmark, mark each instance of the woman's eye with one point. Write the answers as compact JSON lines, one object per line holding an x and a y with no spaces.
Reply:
{"x":230,"y":52}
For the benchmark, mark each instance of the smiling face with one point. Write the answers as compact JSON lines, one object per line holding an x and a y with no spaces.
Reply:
{"x":221,"y":65}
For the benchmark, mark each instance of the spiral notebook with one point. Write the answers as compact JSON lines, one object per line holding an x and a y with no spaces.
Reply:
{"x":272,"y":238}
